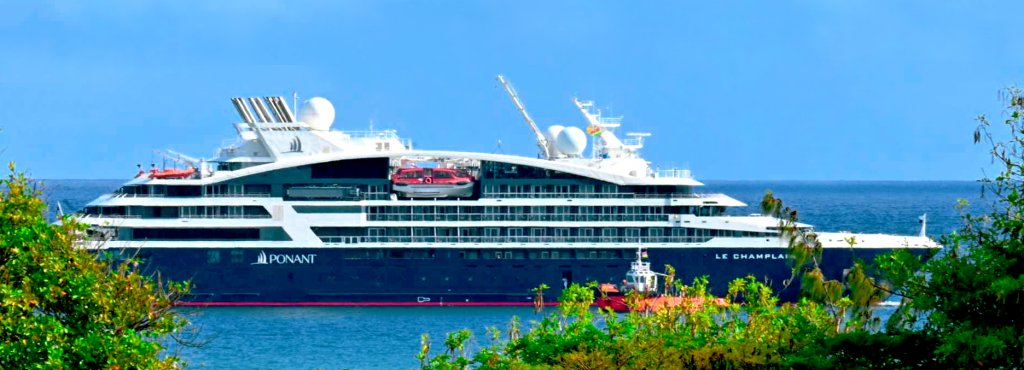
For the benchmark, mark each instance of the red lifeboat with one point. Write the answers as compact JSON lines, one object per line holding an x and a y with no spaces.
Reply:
{"x":417,"y":182}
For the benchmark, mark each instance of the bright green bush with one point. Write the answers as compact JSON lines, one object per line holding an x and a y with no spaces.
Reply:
{"x":61,"y":307}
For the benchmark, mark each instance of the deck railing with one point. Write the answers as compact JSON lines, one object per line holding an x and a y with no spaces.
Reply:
{"x":193,"y":216}
{"x":514,"y":239}
{"x":556,"y":217}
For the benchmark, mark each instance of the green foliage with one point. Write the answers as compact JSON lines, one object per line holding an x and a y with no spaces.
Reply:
{"x":974,"y":295}
{"x":538,"y":297}
{"x":61,"y":307}
{"x":576,"y":300}
{"x":867,"y":350}
{"x":753,"y":334}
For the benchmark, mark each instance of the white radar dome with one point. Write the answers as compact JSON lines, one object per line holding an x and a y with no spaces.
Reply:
{"x":571,"y":141}
{"x":318,"y":113}
{"x":551,"y":133}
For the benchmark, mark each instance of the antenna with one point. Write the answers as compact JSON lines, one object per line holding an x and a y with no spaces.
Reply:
{"x":541,"y":141}
{"x":498,"y":149}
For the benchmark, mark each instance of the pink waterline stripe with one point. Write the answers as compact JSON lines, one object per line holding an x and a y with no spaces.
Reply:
{"x":359,"y":304}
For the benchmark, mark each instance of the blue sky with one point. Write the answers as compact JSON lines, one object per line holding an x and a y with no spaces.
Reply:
{"x":804,"y":90}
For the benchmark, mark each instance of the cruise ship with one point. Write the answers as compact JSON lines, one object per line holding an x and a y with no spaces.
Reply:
{"x":292,"y":212}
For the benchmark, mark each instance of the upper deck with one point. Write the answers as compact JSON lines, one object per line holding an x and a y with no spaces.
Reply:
{"x":278,"y":154}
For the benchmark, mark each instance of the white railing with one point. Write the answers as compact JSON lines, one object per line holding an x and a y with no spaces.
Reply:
{"x":579,"y":195}
{"x":235,"y":195}
{"x":85,"y":216}
{"x":191,"y":216}
{"x":126,"y":195}
{"x":514,"y":239}
{"x":219,"y":216}
{"x":675,"y":174}
{"x":514,"y":217}
{"x":221,"y":195}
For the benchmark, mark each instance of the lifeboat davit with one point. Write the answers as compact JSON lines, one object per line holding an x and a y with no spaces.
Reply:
{"x":416,"y":182}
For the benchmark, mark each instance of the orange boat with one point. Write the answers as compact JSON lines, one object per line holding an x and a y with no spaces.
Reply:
{"x":640,"y":279}
{"x":173,"y":173}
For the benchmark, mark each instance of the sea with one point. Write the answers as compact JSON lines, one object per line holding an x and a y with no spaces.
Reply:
{"x":390,"y":337}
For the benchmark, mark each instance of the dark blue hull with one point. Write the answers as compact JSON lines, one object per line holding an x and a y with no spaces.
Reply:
{"x":444,"y":276}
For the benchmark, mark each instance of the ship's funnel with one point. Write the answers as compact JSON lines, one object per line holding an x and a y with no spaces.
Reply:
{"x":262,"y":108}
{"x":280,"y":108}
{"x":243,"y":110}
{"x":278,"y":117}
{"x":284,"y":109}
{"x":260,"y":115}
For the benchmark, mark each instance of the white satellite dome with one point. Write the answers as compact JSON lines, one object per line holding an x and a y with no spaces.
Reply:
{"x":571,"y":141}
{"x":318,"y":113}
{"x":551,"y":134}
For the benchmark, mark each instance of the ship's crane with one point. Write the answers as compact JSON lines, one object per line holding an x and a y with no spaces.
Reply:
{"x":542,"y":142}
{"x":179,"y":158}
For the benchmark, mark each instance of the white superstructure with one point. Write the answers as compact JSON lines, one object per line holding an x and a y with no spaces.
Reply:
{"x":302,"y":184}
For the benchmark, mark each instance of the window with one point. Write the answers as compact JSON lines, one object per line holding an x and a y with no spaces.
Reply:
{"x":184,"y":191}
{"x":423,"y":234}
{"x":515,"y":234}
{"x":205,"y":234}
{"x":360,"y":253}
{"x":632,"y":234}
{"x":257,"y":189}
{"x":561,"y":234}
{"x":213,"y":256}
{"x":237,"y":256}
{"x":369,"y":168}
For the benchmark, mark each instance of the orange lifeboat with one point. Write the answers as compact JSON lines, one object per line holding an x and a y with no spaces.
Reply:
{"x":173,"y":173}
